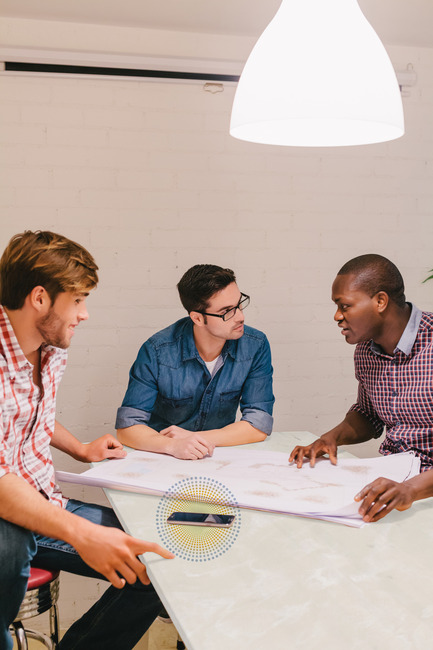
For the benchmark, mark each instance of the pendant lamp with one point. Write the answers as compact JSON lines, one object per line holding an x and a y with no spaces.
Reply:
{"x":318,"y":76}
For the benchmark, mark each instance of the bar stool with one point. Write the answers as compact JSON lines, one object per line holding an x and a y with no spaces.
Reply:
{"x":42,"y":595}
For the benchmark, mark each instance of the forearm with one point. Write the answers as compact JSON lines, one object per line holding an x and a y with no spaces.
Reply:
{"x":107,"y":550}
{"x":238,"y":433}
{"x":421,"y":485}
{"x":354,"y":429}
{"x":142,"y":437}
{"x":22,"y":505}
{"x":64,"y":441}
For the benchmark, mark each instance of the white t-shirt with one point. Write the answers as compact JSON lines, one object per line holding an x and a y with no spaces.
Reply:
{"x":210,"y":365}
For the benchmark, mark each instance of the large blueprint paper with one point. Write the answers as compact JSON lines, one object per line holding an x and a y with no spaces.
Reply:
{"x":261,"y":480}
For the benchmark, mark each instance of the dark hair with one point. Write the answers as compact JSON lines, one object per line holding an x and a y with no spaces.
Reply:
{"x":376,"y":273}
{"x":45,"y":259}
{"x":200,"y":283}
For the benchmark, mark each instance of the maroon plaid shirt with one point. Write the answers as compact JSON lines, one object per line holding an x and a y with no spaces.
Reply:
{"x":396,"y":391}
{"x":27,"y":413}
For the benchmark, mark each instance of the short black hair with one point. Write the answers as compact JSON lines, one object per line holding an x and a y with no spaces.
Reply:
{"x":200,"y":283}
{"x":376,"y":273}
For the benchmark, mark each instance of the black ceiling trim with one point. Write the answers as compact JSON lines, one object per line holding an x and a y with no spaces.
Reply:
{"x":116,"y":72}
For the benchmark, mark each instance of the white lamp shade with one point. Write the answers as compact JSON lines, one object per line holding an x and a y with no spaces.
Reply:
{"x":318,"y":76}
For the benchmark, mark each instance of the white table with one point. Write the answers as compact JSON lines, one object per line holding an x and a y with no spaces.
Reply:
{"x":289,"y":582}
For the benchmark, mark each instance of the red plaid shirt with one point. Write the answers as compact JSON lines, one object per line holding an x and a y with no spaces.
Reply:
{"x":27,"y":413}
{"x":397,"y":391}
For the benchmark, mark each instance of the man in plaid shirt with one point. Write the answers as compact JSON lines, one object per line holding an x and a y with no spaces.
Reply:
{"x":394,"y":368}
{"x":44,"y":281}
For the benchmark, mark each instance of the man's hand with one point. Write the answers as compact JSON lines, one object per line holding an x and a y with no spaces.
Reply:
{"x":187,"y":445}
{"x":382,"y":496}
{"x":175,"y":432}
{"x":108,"y":550}
{"x":353,"y":429}
{"x":113,"y":553}
{"x":319,"y":447}
{"x":105,"y":447}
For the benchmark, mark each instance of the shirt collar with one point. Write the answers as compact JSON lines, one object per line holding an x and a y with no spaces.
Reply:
{"x":14,"y":356}
{"x":189,"y":351}
{"x":409,"y":335}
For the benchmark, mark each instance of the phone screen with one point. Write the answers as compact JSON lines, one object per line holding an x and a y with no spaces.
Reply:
{"x":201,"y":519}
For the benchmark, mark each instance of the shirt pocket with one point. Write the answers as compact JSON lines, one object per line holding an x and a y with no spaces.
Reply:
{"x":228,"y":405}
{"x":175,"y":411}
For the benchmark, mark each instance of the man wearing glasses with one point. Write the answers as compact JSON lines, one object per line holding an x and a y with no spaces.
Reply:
{"x":189,"y":379}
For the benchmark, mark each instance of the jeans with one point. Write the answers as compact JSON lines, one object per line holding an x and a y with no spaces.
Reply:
{"x":116,"y":621}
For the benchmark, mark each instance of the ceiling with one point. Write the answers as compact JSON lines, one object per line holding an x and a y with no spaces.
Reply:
{"x":397,"y":22}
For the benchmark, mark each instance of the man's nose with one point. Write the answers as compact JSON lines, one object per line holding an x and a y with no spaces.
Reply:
{"x":338,"y":316}
{"x":84,"y":314}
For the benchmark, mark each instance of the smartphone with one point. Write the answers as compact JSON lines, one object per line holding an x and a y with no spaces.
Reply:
{"x":201,"y":519}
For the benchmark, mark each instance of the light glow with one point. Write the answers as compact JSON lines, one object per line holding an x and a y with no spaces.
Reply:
{"x":318,"y":76}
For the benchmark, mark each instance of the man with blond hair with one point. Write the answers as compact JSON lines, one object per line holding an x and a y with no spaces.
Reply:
{"x":44,"y":282}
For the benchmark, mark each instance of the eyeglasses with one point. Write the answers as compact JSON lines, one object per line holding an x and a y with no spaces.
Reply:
{"x":243,"y":302}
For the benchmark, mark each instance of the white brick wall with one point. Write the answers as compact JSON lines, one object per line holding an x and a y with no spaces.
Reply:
{"x":147,"y":176}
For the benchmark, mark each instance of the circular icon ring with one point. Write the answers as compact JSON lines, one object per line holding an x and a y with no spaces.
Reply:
{"x":197,"y":543}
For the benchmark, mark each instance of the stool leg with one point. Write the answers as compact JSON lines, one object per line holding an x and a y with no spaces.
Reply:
{"x":20,"y":636}
{"x":180,"y":644}
{"x":54,"y":625}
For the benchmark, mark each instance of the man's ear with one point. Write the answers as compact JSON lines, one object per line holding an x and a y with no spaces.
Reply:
{"x":197,"y":319}
{"x":39,"y":299}
{"x":382,"y":301}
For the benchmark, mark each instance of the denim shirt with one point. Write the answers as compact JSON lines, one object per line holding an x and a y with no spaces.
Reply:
{"x":169,"y":383}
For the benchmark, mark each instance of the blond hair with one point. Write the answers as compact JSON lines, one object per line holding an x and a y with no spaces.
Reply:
{"x":43,"y":258}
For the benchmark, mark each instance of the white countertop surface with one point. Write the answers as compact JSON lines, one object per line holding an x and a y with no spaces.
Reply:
{"x":290,"y":582}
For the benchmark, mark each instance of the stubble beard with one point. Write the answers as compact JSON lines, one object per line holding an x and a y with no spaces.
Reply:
{"x":49,"y":327}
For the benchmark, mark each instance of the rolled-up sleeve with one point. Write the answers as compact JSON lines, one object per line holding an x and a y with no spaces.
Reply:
{"x":142,"y":390}
{"x":127,"y":416}
{"x":257,"y":400}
